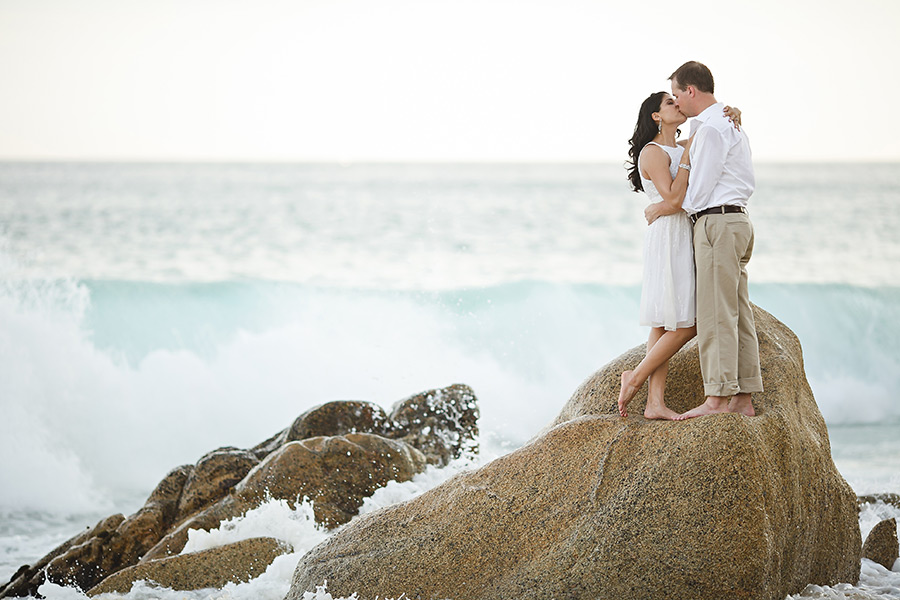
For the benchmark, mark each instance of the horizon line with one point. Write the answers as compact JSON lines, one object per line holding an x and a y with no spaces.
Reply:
{"x":399,"y":161}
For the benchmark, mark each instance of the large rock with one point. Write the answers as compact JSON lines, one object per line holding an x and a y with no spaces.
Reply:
{"x":724,"y":506}
{"x":233,"y":563}
{"x":881,"y":544}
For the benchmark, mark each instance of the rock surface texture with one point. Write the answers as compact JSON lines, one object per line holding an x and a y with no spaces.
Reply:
{"x":336,"y":455}
{"x":598,"y":506}
{"x":336,"y":473}
{"x":213,"y":568}
{"x":881,"y":544}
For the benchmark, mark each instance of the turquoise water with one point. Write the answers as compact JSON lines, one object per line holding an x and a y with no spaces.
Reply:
{"x":150,"y":313}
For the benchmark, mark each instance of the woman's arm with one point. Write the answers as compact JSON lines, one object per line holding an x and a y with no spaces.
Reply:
{"x":655,"y":162}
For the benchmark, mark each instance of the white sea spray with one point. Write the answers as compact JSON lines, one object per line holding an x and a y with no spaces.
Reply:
{"x":875,"y":583}
{"x":274,"y":518}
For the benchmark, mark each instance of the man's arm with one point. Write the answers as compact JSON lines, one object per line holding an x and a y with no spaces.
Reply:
{"x":708,"y":152}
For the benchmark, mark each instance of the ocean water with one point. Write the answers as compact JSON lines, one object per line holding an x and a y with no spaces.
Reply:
{"x":150,"y":313}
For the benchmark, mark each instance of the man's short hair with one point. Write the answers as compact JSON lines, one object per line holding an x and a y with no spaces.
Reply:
{"x":695,"y":74}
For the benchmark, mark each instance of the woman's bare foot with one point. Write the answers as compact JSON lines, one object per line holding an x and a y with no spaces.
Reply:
{"x":660,"y":412}
{"x":742,"y":404}
{"x":713,"y":406}
{"x":627,"y":392}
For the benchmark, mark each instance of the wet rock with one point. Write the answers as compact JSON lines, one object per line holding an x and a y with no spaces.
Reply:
{"x":339,"y":418}
{"x":213,"y":478}
{"x":335,"y":473}
{"x":881,"y":544}
{"x":348,"y":454}
{"x":886,"y":498}
{"x":210,"y":518}
{"x":81,"y":564}
{"x":214,"y":568}
{"x":724,"y":506}
{"x":442,"y":424}
{"x":111,"y":549}
{"x":263,"y":449}
{"x":168,"y":492}
{"x":28,"y":578}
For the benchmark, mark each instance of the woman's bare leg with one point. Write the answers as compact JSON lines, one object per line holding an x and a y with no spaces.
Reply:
{"x":656,"y":404}
{"x":631,"y":383}
{"x":661,"y":346}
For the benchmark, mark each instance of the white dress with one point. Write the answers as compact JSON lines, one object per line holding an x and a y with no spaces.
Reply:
{"x":668,"y":293}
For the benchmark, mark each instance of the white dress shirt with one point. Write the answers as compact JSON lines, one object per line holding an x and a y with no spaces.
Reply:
{"x":721,"y":163}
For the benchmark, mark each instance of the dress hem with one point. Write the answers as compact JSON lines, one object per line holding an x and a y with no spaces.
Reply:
{"x":668,"y":327}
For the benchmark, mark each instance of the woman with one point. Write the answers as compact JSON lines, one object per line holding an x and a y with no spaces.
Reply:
{"x":660,"y":167}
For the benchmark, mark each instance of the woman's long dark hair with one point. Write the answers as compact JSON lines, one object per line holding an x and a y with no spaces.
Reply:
{"x":644,"y":131}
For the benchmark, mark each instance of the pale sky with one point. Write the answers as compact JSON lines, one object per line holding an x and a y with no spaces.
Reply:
{"x":464,"y":80}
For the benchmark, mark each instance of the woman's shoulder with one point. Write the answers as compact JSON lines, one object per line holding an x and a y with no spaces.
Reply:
{"x":653,"y":148}
{"x":654,"y":151}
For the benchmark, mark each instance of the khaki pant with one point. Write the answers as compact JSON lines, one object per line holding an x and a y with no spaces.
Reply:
{"x":726,"y":333}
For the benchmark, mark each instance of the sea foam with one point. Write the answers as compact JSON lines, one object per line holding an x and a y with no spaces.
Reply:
{"x":194,"y":367}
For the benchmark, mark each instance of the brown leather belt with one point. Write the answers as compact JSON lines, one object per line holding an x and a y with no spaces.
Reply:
{"x":718,"y":210}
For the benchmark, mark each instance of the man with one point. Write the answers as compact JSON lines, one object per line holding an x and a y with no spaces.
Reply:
{"x":721,"y":182}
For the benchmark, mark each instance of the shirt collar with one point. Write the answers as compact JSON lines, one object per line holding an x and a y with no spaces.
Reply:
{"x":710,"y":110}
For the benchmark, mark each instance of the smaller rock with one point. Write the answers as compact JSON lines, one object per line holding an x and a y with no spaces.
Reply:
{"x":886,"y":498}
{"x":81,"y":565}
{"x":213,"y":478}
{"x":442,"y":424}
{"x":29,"y":578}
{"x":881,"y":546}
{"x":336,"y":473}
{"x":214,"y":568}
{"x":263,"y":449}
{"x":117,"y":542}
{"x":206,"y":520}
{"x":340,"y":417}
{"x":336,"y":454}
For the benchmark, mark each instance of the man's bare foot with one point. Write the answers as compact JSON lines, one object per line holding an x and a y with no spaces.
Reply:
{"x":627,"y":392}
{"x":742,"y":404}
{"x":713,"y":406}
{"x":660,"y":412}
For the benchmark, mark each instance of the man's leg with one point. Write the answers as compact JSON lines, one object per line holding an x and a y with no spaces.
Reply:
{"x":719,"y":244}
{"x":749,"y":371}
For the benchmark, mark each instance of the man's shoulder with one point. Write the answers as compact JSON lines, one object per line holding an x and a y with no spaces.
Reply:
{"x":718,"y":121}
{"x":720,"y":125}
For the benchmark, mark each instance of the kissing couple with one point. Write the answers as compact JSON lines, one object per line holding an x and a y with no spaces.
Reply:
{"x":696,"y":248}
